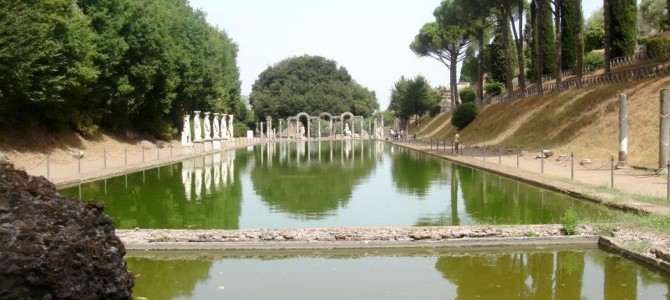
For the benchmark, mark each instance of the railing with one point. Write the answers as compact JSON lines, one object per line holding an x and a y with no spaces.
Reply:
{"x":636,"y":74}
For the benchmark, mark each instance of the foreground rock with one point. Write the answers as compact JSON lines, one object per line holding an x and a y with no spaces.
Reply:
{"x":53,"y":247}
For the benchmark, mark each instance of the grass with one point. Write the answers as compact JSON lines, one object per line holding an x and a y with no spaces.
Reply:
{"x":583,"y":121}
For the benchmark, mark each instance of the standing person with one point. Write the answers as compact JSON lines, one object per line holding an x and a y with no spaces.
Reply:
{"x":457,"y":141}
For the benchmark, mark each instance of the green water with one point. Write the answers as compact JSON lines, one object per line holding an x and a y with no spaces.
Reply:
{"x":435,"y":274}
{"x":323,"y":184}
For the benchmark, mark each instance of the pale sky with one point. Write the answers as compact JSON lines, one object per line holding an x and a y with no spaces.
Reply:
{"x":370,"y":38}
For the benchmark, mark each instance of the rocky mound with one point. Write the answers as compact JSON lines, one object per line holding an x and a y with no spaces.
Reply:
{"x":54,"y":247}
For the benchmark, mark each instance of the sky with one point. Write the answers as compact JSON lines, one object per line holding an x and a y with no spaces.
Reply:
{"x":370,"y":38}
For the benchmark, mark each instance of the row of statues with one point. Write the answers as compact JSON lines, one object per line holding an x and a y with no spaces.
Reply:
{"x":223,"y":128}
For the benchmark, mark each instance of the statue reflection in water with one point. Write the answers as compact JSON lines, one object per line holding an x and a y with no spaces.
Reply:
{"x":198,"y":171}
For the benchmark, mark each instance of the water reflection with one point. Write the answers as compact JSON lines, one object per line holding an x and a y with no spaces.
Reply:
{"x":323,"y":184}
{"x":311,"y":180}
{"x":389,"y":274}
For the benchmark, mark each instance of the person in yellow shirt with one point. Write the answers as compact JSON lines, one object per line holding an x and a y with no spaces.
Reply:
{"x":457,"y":141}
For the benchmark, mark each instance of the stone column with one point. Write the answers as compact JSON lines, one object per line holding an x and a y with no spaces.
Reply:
{"x":269,"y":127}
{"x":197,"y":131}
{"x":230,"y":127}
{"x":217,"y":135}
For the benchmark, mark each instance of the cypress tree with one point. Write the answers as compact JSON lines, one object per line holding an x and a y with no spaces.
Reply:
{"x":623,"y":27}
{"x":547,"y":38}
{"x":569,"y":14}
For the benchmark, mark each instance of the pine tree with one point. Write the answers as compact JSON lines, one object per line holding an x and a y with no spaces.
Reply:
{"x":623,"y":27}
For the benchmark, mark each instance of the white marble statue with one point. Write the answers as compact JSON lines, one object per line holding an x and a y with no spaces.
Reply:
{"x":230,"y":127}
{"x":347,"y":131}
{"x":196,"y":127}
{"x":302,"y":131}
{"x":224,"y":127}
{"x":186,"y":132}
{"x":208,"y":126}
{"x":217,"y":136}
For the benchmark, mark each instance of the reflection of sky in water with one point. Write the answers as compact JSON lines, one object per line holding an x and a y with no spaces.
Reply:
{"x":515,"y":274}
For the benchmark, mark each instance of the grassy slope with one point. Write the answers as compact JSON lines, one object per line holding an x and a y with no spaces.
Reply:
{"x":584,"y":121}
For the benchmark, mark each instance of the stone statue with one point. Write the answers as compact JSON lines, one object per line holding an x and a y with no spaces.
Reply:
{"x":347,"y":132}
{"x":196,"y":127}
{"x":208,"y":127}
{"x":217,"y":136}
{"x":224,"y":127}
{"x":186,"y":132}
{"x":230,"y":127}
{"x":302,"y":131}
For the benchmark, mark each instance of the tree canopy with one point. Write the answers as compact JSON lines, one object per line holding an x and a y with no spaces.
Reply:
{"x":114,"y":63}
{"x":410,"y":97}
{"x":311,"y":84}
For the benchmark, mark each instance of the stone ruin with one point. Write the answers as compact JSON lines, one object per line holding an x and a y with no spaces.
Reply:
{"x":55,"y":247}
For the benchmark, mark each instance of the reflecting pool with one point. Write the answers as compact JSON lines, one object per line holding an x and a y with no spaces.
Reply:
{"x":388,"y":274}
{"x":323,"y":184}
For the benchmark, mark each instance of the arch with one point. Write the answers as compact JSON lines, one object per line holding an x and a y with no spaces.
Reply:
{"x":330,"y":122}
{"x":298,"y":116}
{"x":342,"y":119}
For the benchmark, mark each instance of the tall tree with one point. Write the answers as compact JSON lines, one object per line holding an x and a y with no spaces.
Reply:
{"x":607,"y":17}
{"x":519,"y":43}
{"x":445,"y":41}
{"x":476,"y":19}
{"x":623,"y":27}
{"x":579,"y":41}
{"x":570,"y":14}
{"x":559,"y":48}
{"x":503,"y":14}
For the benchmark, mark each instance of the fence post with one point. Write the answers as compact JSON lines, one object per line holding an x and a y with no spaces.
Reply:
{"x":542,"y":161}
{"x":668,"y":182}
{"x":78,"y":161}
{"x":48,"y":167}
{"x":104,"y":156}
{"x":484,"y":155}
{"x":125,"y":156}
{"x":158,"y":153}
{"x":572,"y":165}
{"x":518,"y":152}
{"x":612,"y":172}
{"x":142,"y":153}
{"x":499,"y":154}
{"x":171,"y":150}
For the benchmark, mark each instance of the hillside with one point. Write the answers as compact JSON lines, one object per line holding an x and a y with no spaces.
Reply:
{"x":584,"y":121}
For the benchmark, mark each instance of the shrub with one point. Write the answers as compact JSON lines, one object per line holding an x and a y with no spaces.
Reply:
{"x":464,"y":114}
{"x":240,"y":130}
{"x":594,"y":60}
{"x":467,"y":95}
{"x":658,"y":47}
{"x":493,"y":88}
{"x":434,"y":110}
{"x":569,"y":222}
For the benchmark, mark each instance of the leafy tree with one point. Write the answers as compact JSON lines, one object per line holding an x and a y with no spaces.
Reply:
{"x":46,"y":64}
{"x":412,"y":97}
{"x":623,"y":27}
{"x":594,"y":31}
{"x":475,"y":17}
{"x":444,"y":40}
{"x":650,"y":17}
{"x":310,"y":84}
